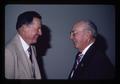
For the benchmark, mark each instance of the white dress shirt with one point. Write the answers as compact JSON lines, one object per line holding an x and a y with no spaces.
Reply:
{"x":24,"y":45}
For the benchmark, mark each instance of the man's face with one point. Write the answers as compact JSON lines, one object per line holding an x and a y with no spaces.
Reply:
{"x":31,"y":32}
{"x":79,"y":36}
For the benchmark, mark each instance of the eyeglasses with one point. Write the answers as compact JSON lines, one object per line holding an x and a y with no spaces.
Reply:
{"x":73,"y":33}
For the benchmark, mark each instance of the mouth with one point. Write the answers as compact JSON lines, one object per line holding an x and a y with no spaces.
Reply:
{"x":36,"y":36}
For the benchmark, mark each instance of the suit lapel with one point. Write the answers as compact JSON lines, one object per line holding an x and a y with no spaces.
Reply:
{"x":85,"y":61}
{"x":35,"y":64}
{"x":21,"y":55}
{"x":87,"y":57}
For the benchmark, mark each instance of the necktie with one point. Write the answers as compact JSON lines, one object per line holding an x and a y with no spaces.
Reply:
{"x":30,"y":53}
{"x":77,"y":61}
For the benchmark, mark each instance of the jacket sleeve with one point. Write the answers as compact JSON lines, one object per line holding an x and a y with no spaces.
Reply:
{"x":9,"y":64}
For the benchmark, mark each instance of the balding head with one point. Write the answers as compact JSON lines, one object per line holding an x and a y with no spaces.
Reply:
{"x":89,"y":25}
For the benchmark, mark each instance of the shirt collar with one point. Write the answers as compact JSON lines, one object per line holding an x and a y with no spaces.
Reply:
{"x":85,"y":50}
{"x":24,"y":44}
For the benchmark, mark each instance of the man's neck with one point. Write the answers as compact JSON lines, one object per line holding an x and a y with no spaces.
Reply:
{"x":90,"y":42}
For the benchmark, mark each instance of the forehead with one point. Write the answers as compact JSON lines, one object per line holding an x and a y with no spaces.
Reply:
{"x":79,"y":26}
{"x":36,"y":21}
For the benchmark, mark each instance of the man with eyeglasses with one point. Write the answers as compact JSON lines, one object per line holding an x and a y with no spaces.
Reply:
{"x":92,"y":62}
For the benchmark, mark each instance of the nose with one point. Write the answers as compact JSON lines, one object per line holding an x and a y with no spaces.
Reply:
{"x":40,"y":32}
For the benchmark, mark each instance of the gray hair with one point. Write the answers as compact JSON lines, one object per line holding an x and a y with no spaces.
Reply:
{"x":91,"y":27}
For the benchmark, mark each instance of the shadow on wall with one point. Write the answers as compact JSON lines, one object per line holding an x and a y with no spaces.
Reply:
{"x":42,"y":45}
{"x":101,"y":44}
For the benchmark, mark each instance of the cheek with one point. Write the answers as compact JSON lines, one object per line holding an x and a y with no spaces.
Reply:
{"x":34,"y":35}
{"x":79,"y":40}
{"x":30,"y":35}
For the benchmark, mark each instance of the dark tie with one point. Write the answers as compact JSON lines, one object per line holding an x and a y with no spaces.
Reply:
{"x":30,"y":53}
{"x":77,"y":61}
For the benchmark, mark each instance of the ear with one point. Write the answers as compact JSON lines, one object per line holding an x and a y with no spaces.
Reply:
{"x":24,"y":26}
{"x":88,"y":34}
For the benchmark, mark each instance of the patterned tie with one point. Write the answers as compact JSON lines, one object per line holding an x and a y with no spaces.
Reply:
{"x":77,"y":61}
{"x":30,"y":53}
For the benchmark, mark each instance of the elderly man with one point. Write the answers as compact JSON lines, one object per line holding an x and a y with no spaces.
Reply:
{"x":90,"y":62}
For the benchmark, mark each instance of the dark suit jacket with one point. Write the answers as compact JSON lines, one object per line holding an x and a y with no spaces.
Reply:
{"x":94,"y":65}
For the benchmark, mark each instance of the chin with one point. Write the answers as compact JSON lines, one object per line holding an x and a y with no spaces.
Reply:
{"x":33,"y":42}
